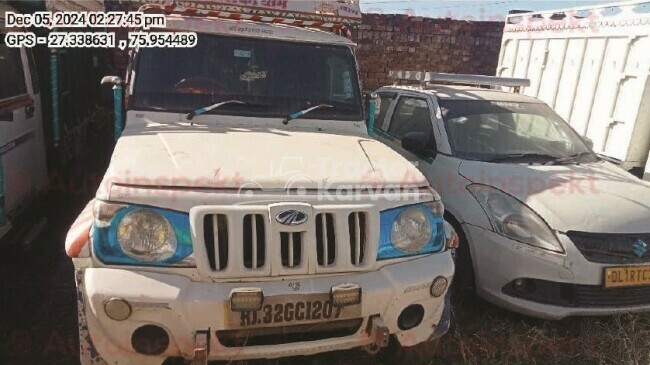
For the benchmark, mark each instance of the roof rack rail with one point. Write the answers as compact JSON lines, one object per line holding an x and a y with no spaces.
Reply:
{"x":437,"y":77}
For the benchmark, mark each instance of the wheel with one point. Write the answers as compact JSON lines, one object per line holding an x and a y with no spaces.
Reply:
{"x":420,"y":354}
{"x":465,"y":279}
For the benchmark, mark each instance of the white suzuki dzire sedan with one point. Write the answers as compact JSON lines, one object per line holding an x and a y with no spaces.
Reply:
{"x":549,"y":229}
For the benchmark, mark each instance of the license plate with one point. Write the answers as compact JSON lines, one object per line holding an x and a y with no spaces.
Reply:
{"x":619,"y":277}
{"x":286,"y":310}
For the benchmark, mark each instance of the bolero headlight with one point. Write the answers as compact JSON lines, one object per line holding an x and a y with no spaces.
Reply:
{"x":137,"y":235}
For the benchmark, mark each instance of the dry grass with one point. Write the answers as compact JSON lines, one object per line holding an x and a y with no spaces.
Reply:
{"x":484,"y":334}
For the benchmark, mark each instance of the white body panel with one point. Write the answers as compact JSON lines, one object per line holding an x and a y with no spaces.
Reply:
{"x":515,"y":260}
{"x":554,"y":192}
{"x":22,"y":145}
{"x":598,"y":198}
{"x":151,"y":152}
{"x":183,"y":307}
{"x":593,"y":71}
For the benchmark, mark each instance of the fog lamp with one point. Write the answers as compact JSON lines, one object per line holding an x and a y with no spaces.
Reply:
{"x":439,"y":286}
{"x":345,"y":294}
{"x":525,"y":286}
{"x":246,"y":299}
{"x":117,"y":309}
{"x":410,"y":317}
{"x":150,"y":340}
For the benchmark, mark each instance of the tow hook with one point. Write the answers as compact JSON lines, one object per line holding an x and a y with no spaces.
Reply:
{"x":201,"y":348}
{"x":379,"y":334}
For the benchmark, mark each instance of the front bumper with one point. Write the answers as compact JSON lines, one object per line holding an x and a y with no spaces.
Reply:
{"x":184,"y":308}
{"x":499,"y":261}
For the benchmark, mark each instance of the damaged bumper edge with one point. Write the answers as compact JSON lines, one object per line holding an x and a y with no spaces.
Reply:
{"x":193,"y":313}
{"x":499,"y":262}
{"x":87,"y":352}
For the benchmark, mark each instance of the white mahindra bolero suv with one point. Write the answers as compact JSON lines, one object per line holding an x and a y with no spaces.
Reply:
{"x":247,"y":214}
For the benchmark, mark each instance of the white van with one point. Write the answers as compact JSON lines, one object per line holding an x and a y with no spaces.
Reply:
{"x":23,"y":170}
{"x":591,"y":65}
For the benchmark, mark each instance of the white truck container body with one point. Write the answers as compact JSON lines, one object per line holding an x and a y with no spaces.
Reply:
{"x":591,"y":65}
{"x":22,"y":146}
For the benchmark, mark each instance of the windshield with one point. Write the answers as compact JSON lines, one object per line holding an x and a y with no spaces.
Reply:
{"x":493,"y":131}
{"x":269,"y":78}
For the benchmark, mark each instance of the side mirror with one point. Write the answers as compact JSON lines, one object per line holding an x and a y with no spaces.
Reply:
{"x":112,"y":80}
{"x":417,"y":142}
{"x":588,"y":142}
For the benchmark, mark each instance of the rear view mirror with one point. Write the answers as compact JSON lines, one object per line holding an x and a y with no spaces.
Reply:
{"x":417,"y":142}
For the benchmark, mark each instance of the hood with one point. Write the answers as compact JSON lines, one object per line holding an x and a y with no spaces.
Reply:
{"x":596,"y":197}
{"x":249,"y":158}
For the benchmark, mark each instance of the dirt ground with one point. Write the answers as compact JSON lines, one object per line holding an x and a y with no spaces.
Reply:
{"x":38,"y":323}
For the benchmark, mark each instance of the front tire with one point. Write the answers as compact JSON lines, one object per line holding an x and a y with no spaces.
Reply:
{"x":464,"y":278}
{"x":420,"y":354}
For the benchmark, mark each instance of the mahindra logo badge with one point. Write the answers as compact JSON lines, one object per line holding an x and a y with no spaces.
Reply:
{"x":291,"y":217}
{"x":640,"y":248}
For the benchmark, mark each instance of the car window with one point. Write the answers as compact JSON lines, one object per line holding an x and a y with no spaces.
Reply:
{"x":272,"y":78}
{"x":536,"y":126}
{"x":385,"y":100}
{"x":410,"y":115}
{"x":12,"y":77}
{"x":485,"y":130}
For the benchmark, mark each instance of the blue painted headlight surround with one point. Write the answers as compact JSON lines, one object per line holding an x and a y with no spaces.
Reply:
{"x":108,"y":250}
{"x":388,"y":251}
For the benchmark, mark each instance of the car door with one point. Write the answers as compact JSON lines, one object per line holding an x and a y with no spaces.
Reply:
{"x":437,"y":165}
{"x":409,"y":113}
{"x":22,"y":150}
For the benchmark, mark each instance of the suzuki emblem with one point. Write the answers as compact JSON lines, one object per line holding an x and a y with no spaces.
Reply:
{"x":640,"y":248}
{"x":291,"y":217}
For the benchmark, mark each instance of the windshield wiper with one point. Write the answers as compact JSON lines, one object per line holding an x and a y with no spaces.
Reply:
{"x":569,"y":159}
{"x":200,"y":111}
{"x":521,"y":156}
{"x":305,"y":111}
